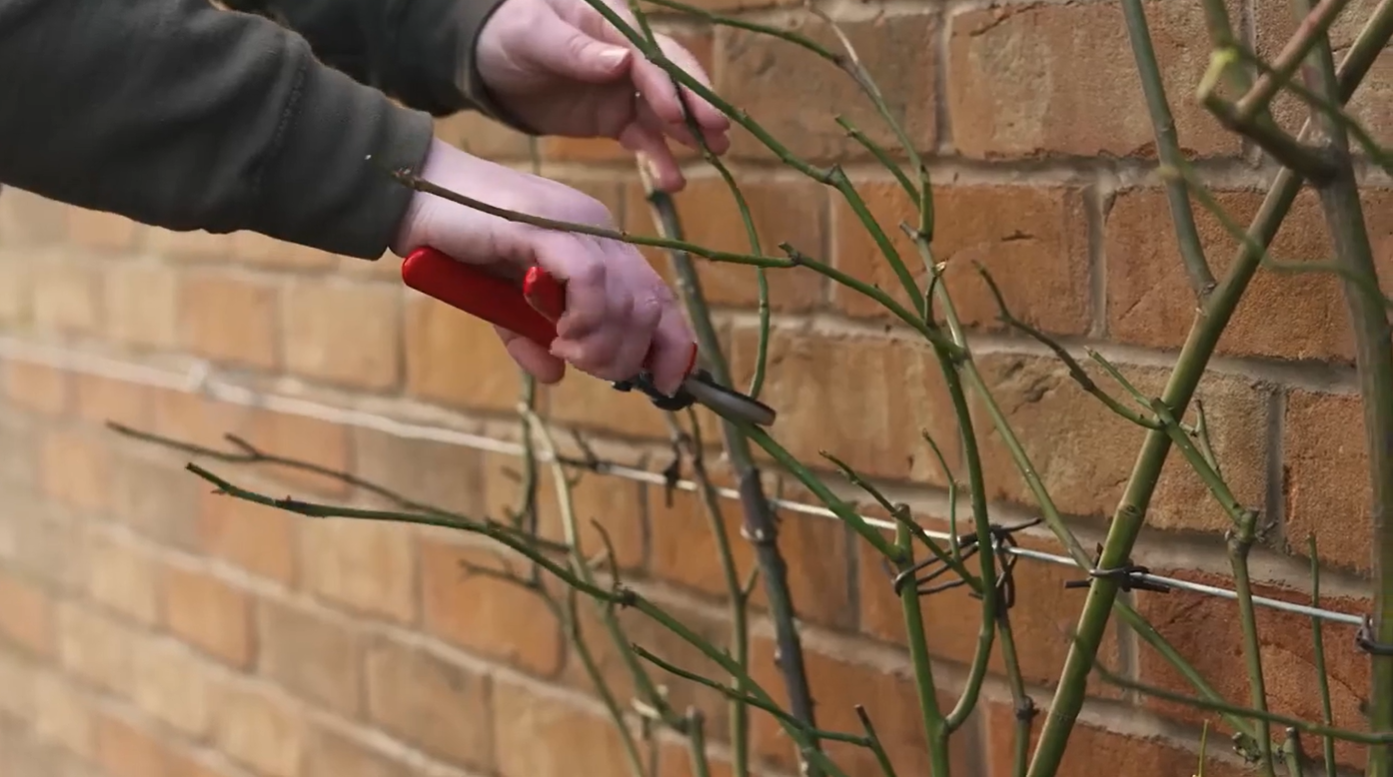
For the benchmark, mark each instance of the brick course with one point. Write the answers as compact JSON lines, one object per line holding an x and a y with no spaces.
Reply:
{"x":152,"y":628}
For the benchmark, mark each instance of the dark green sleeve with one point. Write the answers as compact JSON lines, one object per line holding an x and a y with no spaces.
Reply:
{"x":178,"y":114}
{"x":419,"y":51}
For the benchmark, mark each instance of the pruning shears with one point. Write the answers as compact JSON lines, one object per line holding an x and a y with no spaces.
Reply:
{"x":532,"y":310}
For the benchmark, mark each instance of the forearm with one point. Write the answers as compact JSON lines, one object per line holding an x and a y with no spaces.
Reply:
{"x":420,"y":52}
{"x":180,"y":115}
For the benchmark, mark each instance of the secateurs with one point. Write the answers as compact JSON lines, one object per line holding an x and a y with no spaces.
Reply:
{"x":532,"y":311}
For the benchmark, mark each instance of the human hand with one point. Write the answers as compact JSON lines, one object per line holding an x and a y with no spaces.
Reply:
{"x":617,"y":307}
{"x":561,"y":68}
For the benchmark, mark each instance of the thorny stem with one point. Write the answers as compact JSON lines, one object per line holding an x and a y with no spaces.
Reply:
{"x":1292,"y":755}
{"x":1316,"y":23}
{"x":1344,"y":217}
{"x":619,"y":596}
{"x":1167,"y":147}
{"x":566,"y":506}
{"x":768,"y":706}
{"x":758,"y":521}
{"x":1205,"y":332}
{"x":1315,"y":729}
{"x":1240,"y":544}
{"x":570,"y":617}
{"x":739,"y":620}
{"x":1021,"y":703}
{"x":887,"y":769}
{"x":696,"y":737}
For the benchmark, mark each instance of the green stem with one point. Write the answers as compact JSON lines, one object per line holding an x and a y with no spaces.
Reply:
{"x":1021,"y":703}
{"x":1315,"y":729}
{"x":1292,"y":755}
{"x":935,"y":726}
{"x":887,"y":769}
{"x":1344,"y":217}
{"x":696,"y":741}
{"x":1167,"y":147}
{"x":1327,"y":713}
{"x":740,"y":641}
{"x":1289,"y":60}
{"x":1239,"y":545}
{"x":569,"y":615}
{"x":1194,"y":356}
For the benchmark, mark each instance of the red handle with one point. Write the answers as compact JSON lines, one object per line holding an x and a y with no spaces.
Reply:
{"x":531,"y":311}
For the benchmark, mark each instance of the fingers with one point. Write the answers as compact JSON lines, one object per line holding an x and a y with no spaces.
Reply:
{"x":648,"y":143}
{"x":620,"y":316}
{"x":566,"y":50}
{"x":532,"y":357}
{"x":657,"y":88}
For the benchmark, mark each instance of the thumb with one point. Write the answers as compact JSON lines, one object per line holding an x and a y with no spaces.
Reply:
{"x":567,"y":51}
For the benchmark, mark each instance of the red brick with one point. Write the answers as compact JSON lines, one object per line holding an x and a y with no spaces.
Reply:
{"x":75,"y":470}
{"x":259,"y":250}
{"x":18,"y":676}
{"x":366,"y":567}
{"x":889,"y":696}
{"x":1093,"y":750}
{"x":124,"y":750}
{"x":195,"y":419}
{"x":311,"y":655}
{"x":38,"y":387}
{"x":100,"y":400}
{"x":1033,"y":241}
{"x":102,"y":231}
{"x":722,"y":6}
{"x":442,"y":708}
{"x":258,"y":539}
{"x":65,"y":297}
{"x":340,"y":333}
{"x":123,"y":577}
{"x":142,"y":305}
{"x":795,"y":94}
{"x":825,"y":400}
{"x":1083,"y":452}
{"x":26,"y":614}
{"x":496,"y":618}
{"x":523,"y":718}
{"x":684,"y":544}
{"x":675,"y":760}
{"x":456,"y":359}
{"x":302,"y":439}
{"x":15,"y":291}
{"x":209,"y":614}
{"x":62,"y":715}
{"x":1044,"y":616}
{"x":482,"y":136}
{"x":48,"y":546}
{"x":1326,"y":478}
{"x":1207,"y":631}
{"x":443,"y":475}
{"x":259,"y":731}
{"x":191,"y":246}
{"x":616,"y":506}
{"x":1060,"y":79}
{"x":783,"y":211}
{"x":331,"y":754}
{"x":160,"y":500}
{"x":94,"y":647}
{"x":1150,"y":302}
{"x":28,"y":220}
{"x":172,"y":685}
{"x":229,"y":319}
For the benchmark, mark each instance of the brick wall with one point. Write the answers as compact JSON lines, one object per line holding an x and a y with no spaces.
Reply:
{"x":150,"y":629}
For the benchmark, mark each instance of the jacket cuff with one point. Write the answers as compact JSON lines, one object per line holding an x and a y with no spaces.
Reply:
{"x":328,"y":181}
{"x":439,"y":40}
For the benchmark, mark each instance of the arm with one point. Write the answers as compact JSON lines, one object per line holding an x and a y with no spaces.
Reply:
{"x":421,"y":52}
{"x":180,"y":115}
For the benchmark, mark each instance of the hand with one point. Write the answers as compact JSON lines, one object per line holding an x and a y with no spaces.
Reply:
{"x":561,"y":68}
{"x":616,"y":305}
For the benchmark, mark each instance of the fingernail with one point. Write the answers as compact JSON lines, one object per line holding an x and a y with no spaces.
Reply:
{"x":613,"y":57}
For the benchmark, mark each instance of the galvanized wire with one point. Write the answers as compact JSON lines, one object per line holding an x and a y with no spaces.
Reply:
{"x":201,"y":380}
